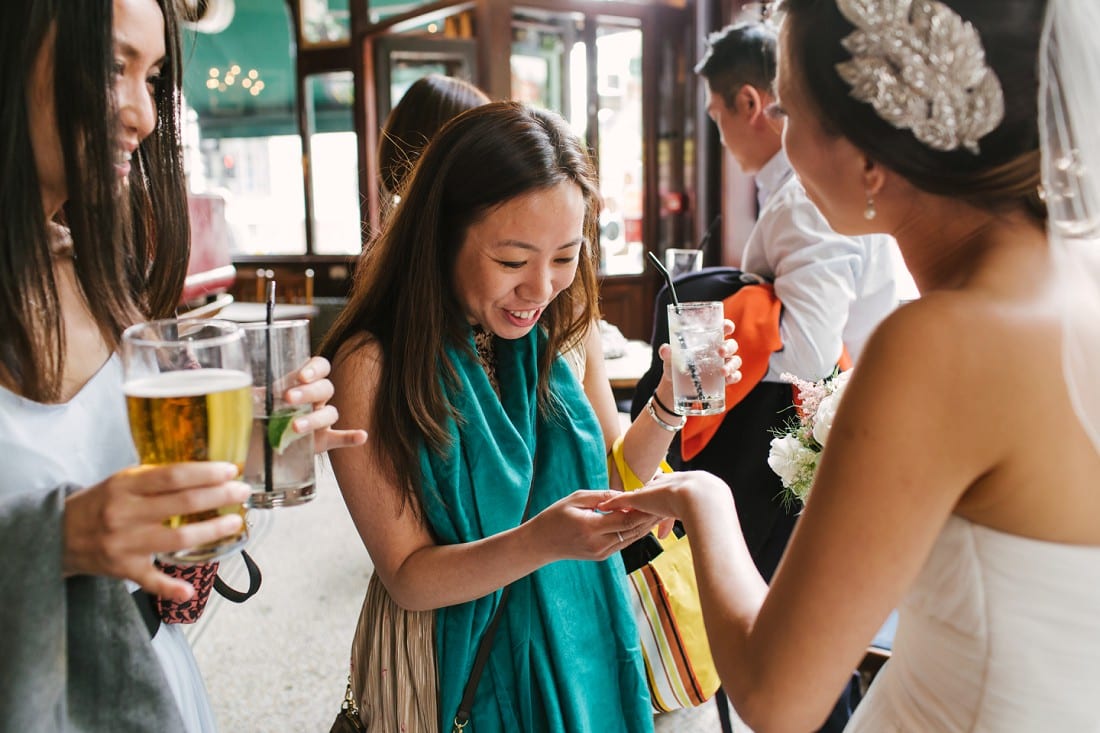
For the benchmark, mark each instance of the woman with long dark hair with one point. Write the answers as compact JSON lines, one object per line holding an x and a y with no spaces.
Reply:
{"x":486,"y":459}
{"x":94,"y":237}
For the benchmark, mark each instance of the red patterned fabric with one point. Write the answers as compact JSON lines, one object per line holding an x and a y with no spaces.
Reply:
{"x":187,"y":612}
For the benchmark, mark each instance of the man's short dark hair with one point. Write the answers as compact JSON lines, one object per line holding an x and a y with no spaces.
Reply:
{"x":742,"y":53}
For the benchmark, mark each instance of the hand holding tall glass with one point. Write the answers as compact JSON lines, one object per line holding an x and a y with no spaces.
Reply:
{"x":189,"y":397}
{"x":695,"y":333}
{"x":280,"y":465}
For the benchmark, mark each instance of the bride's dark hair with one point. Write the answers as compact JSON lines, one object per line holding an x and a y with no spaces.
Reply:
{"x":1007,"y":169}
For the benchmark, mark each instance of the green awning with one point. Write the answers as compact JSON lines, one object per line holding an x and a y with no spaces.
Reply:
{"x":257,"y":47}
{"x":222,"y":72}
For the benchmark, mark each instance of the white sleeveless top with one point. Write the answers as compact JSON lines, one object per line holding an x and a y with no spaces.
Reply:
{"x":83,"y":441}
{"x":999,"y":633}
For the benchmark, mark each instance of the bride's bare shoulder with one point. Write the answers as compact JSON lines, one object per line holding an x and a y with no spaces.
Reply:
{"x":949,"y":335}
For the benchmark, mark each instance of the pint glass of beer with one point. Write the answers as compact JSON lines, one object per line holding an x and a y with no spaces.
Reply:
{"x":189,"y":397}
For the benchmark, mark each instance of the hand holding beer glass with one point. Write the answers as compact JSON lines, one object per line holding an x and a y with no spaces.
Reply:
{"x":189,"y":398}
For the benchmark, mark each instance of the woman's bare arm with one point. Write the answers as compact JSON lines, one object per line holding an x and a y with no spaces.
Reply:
{"x":418,"y":573}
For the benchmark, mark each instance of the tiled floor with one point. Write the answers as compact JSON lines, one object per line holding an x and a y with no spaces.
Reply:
{"x":278,"y":663}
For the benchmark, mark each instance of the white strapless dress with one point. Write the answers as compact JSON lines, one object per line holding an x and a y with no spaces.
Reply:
{"x":999,"y":633}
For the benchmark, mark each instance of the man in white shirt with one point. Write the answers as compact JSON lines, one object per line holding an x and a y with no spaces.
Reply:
{"x":833,"y":289}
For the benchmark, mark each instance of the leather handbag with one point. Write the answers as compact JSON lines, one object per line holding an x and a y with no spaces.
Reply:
{"x":201,"y":578}
{"x":204,"y":578}
{"x":348,"y":720}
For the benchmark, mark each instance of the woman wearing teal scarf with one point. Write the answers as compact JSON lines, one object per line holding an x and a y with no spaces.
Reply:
{"x":565,"y":656}
{"x":448,"y":353}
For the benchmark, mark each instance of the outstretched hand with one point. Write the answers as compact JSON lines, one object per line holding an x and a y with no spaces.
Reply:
{"x":116,"y":526}
{"x":313,"y":387}
{"x":572,"y":528}
{"x":670,"y":495}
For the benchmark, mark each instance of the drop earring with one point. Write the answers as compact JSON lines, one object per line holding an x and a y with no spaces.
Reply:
{"x":869,"y":212}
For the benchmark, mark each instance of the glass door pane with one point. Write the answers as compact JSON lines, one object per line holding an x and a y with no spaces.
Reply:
{"x":240,"y":130}
{"x":549,"y":65}
{"x":325,"y":22}
{"x":402,"y":59}
{"x":334,"y":169}
{"x":619,"y":85}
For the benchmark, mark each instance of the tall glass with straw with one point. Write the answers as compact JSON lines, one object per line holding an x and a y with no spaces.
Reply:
{"x":696,"y":331}
{"x":280,"y":467}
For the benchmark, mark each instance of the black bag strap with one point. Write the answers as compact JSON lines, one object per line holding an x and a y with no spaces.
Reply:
{"x":255,"y":578}
{"x":145,"y":604}
{"x":462,"y":717}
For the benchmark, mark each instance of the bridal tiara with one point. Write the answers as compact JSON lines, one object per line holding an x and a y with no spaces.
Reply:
{"x":922,"y":68}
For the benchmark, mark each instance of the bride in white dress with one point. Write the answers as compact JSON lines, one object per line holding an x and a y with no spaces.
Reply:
{"x":961,"y":483}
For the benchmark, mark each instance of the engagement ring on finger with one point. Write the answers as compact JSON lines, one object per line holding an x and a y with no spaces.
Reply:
{"x":620,"y":536}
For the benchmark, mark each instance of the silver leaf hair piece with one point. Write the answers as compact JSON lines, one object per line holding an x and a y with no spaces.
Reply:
{"x":922,"y":68}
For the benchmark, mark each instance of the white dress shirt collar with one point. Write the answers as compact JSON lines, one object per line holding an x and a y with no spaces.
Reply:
{"x":772,"y":176}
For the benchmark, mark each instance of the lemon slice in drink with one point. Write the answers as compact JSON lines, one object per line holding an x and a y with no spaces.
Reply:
{"x":279,"y":431}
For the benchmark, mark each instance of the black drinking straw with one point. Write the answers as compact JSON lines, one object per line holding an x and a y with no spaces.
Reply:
{"x":269,"y":388}
{"x":668,"y":278}
{"x":710,"y":230}
{"x":676,"y":302}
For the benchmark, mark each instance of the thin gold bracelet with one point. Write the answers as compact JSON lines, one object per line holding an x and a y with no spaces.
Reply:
{"x":668,"y":427}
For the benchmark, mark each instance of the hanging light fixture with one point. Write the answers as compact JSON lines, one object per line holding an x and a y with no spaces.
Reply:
{"x":207,"y":16}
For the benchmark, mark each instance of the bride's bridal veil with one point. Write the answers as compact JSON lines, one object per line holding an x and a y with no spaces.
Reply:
{"x":1069,"y":111}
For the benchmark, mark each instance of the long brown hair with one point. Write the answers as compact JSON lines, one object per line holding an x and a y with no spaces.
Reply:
{"x":131,"y":255}
{"x":426,"y":106}
{"x":403,"y":296}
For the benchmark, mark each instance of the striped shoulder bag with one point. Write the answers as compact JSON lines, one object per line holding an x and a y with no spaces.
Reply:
{"x":664,"y":597}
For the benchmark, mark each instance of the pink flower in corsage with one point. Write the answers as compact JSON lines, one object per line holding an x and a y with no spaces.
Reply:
{"x":795,"y":451}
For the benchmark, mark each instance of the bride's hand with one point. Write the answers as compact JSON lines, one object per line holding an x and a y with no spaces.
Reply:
{"x":671,"y":494}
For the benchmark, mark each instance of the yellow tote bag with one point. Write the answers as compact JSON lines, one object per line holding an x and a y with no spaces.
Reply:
{"x":664,"y":597}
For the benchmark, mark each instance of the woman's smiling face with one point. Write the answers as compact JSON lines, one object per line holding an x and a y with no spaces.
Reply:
{"x":138,"y":30}
{"x":138,"y":56}
{"x":518,"y":257}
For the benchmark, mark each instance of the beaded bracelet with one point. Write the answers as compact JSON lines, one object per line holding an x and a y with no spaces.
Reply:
{"x":668,"y":427}
{"x":665,"y":407}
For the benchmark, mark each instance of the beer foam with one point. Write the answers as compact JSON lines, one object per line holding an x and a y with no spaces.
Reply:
{"x":187,"y":383}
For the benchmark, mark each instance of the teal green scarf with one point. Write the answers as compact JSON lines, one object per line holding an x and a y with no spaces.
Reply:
{"x":565,"y":657}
